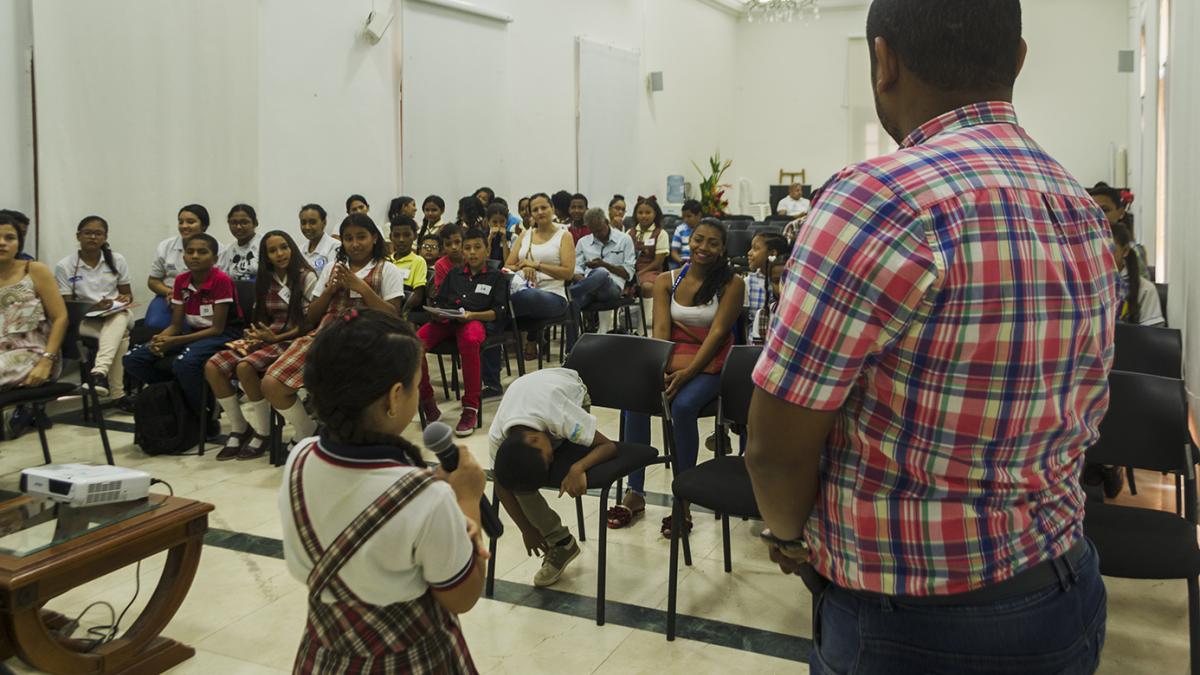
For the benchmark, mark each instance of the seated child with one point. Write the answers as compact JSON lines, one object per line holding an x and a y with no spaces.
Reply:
{"x":477,"y":288}
{"x":389,"y":549}
{"x":430,"y":248}
{"x":412,"y":266}
{"x":498,"y":234}
{"x":204,"y":316}
{"x":451,"y":238}
{"x":766,"y":249}
{"x":544,"y":416}
{"x":681,"y":248}
{"x":283,"y":289}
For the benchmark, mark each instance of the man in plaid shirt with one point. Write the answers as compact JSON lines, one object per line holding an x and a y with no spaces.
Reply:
{"x":937,"y":367}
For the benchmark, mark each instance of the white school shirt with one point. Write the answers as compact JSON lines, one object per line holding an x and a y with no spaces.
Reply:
{"x":168,"y":261}
{"x":793,"y":207}
{"x":1149,"y":305}
{"x":240,"y":262}
{"x":549,"y":400}
{"x":90,"y":284}
{"x":423,"y":546}
{"x":391,"y":283}
{"x":325,"y":252}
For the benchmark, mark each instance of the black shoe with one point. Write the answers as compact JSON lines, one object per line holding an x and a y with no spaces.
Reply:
{"x":20,"y":422}
{"x":43,"y":420}
{"x":491,"y":392}
{"x":124,"y":404}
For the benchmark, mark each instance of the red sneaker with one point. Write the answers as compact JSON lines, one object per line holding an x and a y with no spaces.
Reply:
{"x":466,"y":423}
{"x":430,"y":408}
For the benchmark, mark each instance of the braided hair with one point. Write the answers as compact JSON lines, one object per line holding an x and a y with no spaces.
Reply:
{"x":104,"y":250}
{"x":351,"y":365}
{"x":1124,"y":238}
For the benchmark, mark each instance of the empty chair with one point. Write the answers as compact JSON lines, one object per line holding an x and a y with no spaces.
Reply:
{"x":1146,"y":427}
{"x":737,"y":244}
{"x":1150,"y":350}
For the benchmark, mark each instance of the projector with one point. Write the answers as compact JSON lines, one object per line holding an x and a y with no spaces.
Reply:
{"x":85,"y":484}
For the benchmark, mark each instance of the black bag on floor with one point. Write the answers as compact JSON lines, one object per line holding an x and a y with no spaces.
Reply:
{"x":163,"y":424}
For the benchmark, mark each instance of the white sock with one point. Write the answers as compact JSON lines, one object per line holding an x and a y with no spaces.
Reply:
{"x":234,"y":412}
{"x":302,"y":425}
{"x":605,"y":322}
{"x":260,"y":417}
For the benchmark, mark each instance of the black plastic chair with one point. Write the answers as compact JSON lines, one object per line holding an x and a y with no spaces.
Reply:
{"x":1162,"y":299}
{"x":637,"y":386}
{"x":1148,"y":350}
{"x":737,"y":244}
{"x":721,"y":484}
{"x":37,"y":397}
{"x":1146,"y":427}
{"x":628,"y":298}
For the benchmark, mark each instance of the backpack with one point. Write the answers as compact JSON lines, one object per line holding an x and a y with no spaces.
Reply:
{"x":163,"y":424}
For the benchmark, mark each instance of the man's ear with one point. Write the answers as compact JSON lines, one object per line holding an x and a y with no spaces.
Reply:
{"x":1021,"y":54}
{"x":887,"y":66}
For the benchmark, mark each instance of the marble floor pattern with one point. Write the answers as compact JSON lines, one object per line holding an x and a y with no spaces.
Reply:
{"x":245,"y":613}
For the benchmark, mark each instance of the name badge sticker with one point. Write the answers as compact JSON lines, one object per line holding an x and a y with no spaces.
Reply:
{"x":206,"y":310}
{"x":483,"y":289}
{"x":285,"y":293}
{"x":355,"y":294}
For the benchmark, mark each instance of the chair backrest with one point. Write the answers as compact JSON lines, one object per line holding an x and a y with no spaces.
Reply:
{"x":245,"y":298}
{"x":737,"y":217}
{"x":1148,"y":350}
{"x":624,"y":372}
{"x":1146,"y":424}
{"x":736,"y":385}
{"x":735,"y":225}
{"x":737,"y":243}
{"x":76,"y":311}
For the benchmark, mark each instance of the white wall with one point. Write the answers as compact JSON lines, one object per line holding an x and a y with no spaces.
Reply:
{"x":791,"y":90}
{"x":16,"y":109}
{"x":693,"y":44}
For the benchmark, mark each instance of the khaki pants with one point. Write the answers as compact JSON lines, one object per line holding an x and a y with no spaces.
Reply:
{"x":543,"y":518}
{"x":113,"y":333}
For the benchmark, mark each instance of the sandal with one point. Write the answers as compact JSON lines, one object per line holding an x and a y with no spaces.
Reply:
{"x":621,"y":516}
{"x":666,"y":526}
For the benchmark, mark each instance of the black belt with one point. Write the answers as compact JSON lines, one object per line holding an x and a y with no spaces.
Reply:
{"x":1062,"y":571}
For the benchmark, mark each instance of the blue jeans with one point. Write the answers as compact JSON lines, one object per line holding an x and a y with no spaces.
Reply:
{"x":188,"y":369}
{"x":597,"y":286}
{"x":685,"y":413}
{"x":534,"y":303}
{"x":158,"y":313}
{"x":1059,"y":629}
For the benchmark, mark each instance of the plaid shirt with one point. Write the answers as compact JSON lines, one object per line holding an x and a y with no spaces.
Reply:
{"x":681,"y":241}
{"x":955,"y":303}
{"x":756,"y":291}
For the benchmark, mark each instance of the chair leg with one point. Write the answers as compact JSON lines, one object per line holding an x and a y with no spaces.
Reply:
{"x":1178,"y":495}
{"x":108,"y":456}
{"x":602,"y":555}
{"x":38,"y":411}
{"x":725,"y":541}
{"x":489,"y":586}
{"x":445,"y":382}
{"x":687,"y":544}
{"x":579,"y":517}
{"x":673,"y":573}
{"x":1129,"y":479}
{"x":1194,"y":623}
{"x":454,"y":377}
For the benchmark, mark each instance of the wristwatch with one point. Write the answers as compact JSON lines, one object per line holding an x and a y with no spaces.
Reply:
{"x":785,"y":546}
{"x":54,"y":358}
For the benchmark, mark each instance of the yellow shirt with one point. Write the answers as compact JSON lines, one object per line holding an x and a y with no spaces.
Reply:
{"x":414,"y":270}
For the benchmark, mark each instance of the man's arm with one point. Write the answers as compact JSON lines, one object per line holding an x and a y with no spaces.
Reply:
{"x":783,"y":457}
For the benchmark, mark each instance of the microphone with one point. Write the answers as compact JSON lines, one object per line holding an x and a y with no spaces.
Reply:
{"x":439,"y":439}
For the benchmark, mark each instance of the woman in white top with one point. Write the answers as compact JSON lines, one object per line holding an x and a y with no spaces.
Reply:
{"x":543,"y":259}
{"x":695,"y":307}
{"x":168,"y":264}
{"x":1141,"y":306}
{"x":95,"y":274}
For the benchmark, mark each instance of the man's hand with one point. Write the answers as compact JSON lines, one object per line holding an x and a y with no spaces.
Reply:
{"x":593,"y":264}
{"x":535,"y":543}
{"x":787,"y":563}
{"x":575,"y":484}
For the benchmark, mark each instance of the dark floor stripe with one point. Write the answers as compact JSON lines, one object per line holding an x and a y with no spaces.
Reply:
{"x":720,"y":633}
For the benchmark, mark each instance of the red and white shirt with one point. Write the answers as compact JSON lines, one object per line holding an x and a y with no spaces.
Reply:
{"x":199,"y":303}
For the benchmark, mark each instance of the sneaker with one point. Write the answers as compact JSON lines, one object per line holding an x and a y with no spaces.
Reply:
{"x":467,"y":422}
{"x":100,"y":381}
{"x":431,"y":410}
{"x":554,"y":562}
{"x":491,"y":391}
{"x":233,"y":446}
{"x":101,"y":390}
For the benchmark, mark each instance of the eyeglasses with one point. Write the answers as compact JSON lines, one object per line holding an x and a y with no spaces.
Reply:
{"x":430,"y":247}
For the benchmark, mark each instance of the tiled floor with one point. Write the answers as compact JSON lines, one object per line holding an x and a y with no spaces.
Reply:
{"x":245,"y":613}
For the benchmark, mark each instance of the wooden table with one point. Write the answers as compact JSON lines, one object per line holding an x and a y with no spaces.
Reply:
{"x":86,"y":544}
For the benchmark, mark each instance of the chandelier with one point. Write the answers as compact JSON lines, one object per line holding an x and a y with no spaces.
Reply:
{"x":782,"y":10}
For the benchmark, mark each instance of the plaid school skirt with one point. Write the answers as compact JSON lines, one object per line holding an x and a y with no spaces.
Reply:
{"x":227,"y":361}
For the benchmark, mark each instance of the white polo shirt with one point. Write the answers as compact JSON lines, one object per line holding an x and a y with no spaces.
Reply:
{"x":168,"y":261}
{"x":240,"y":262}
{"x":549,"y":400}
{"x":325,"y":252}
{"x":90,"y":284}
{"x":391,"y":282}
{"x":423,"y":546}
{"x":793,"y":207}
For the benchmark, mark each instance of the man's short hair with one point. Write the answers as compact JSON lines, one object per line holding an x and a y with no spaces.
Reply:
{"x":953,"y":45}
{"x":692,"y":206}
{"x":448,"y":231}
{"x":519,"y":466}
